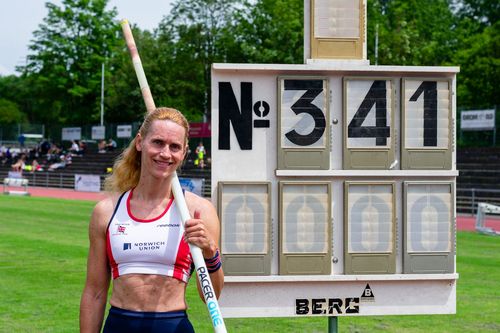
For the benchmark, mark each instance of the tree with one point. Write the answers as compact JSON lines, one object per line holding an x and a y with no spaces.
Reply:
{"x":123,"y":97}
{"x":10,"y":87}
{"x":485,"y":12}
{"x":65,"y":64}
{"x":61,"y":82}
{"x":411,"y":32}
{"x":190,"y":40}
{"x":479,"y":60}
{"x":10,"y":113}
{"x":271,"y":31}
{"x":478,"y":55}
{"x":17,"y":90}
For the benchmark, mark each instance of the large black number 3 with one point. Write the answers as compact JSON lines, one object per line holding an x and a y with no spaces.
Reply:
{"x":429,"y":88}
{"x":376,"y":95}
{"x":304,"y":105}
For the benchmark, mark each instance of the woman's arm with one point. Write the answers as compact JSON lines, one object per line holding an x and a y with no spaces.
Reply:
{"x":95,"y":292}
{"x":203,"y":230}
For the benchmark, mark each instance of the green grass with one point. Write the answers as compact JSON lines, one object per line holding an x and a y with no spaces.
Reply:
{"x":43,"y":249}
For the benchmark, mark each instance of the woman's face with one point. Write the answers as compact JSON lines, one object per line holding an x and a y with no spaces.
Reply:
{"x":162,"y":149}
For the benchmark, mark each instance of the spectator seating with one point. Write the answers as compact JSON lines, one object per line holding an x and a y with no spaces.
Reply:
{"x":93,"y":163}
{"x":478,"y":180}
{"x":90,"y":163}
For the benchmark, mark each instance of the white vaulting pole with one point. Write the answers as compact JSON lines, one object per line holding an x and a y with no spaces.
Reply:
{"x":199,"y":262}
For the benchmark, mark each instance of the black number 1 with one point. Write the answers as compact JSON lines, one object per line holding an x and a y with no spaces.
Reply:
{"x":429,"y":88}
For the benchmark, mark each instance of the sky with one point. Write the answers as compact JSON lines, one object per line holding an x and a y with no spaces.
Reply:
{"x":20,"y":18}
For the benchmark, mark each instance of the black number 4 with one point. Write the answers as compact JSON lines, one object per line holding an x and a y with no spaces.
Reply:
{"x":376,"y":95}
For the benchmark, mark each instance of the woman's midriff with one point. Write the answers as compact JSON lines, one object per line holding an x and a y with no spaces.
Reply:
{"x":150,"y":293}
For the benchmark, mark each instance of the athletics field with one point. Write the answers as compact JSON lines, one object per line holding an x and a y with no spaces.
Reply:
{"x":43,"y":249}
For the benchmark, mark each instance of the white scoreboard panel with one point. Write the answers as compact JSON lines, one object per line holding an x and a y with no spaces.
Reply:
{"x":305,"y":216}
{"x":427,"y":123}
{"x":323,"y":210}
{"x":429,"y":227}
{"x":303,"y":125}
{"x":336,"y":29}
{"x":369,"y":228}
{"x":246,"y":235}
{"x":369,"y":105}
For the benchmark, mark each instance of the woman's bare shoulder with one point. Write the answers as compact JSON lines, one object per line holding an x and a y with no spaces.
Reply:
{"x":195,"y":202}
{"x":103,"y":210}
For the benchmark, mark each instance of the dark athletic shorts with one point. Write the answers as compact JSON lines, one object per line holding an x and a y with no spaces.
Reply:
{"x":126,"y":321}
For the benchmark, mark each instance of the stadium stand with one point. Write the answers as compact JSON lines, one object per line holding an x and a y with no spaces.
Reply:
{"x":91,"y":163}
{"x":479,"y":178}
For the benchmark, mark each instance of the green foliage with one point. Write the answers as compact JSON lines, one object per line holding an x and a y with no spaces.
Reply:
{"x":67,"y":52}
{"x":191,"y":39}
{"x":480,"y":68}
{"x":15,"y":90}
{"x":478,"y":54}
{"x":271,"y":31}
{"x":10,"y":113}
{"x":411,"y":32}
{"x":484,"y":12}
{"x":123,"y":101}
{"x":463,"y":33}
{"x":12,"y":100}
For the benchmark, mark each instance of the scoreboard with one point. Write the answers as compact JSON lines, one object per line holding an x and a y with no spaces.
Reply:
{"x":335,"y":183}
{"x":331,"y":179}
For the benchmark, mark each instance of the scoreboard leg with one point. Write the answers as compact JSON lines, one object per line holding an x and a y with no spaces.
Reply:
{"x":333,"y":325}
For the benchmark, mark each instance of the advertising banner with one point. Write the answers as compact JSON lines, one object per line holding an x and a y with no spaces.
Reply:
{"x":87,"y":183}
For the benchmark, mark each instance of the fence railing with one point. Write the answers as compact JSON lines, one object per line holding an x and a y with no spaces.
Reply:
{"x":468,"y":198}
{"x":67,"y":180}
{"x":53,"y":179}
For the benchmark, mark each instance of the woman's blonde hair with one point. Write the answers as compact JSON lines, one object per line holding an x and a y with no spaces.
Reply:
{"x":127,"y":166}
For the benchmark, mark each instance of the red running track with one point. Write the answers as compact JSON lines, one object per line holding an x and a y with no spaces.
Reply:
{"x":464,"y":222}
{"x":59,"y":193}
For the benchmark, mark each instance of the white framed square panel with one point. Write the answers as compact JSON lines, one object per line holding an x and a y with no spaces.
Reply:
{"x":303,"y":123}
{"x":305,"y":227}
{"x":427,"y":138}
{"x":245,"y":212}
{"x":369,"y":228}
{"x":368,"y":111}
{"x":337,"y":19}
{"x":429,"y":237}
{"x":337,"y":29}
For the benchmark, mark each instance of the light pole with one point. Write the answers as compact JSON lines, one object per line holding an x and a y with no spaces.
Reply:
{"x":102,"y":94}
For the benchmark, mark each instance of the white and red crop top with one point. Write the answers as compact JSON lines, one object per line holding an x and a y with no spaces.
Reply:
{"x":154,"y":246}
